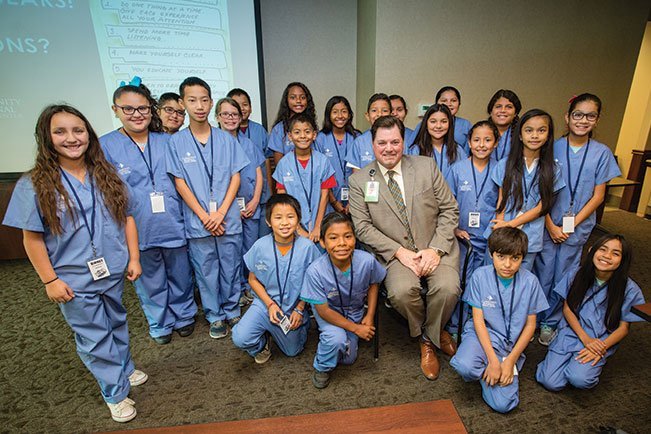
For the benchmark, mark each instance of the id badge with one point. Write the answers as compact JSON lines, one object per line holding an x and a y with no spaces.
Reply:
{"x":473,"y":219}
{"x":518,"y":215}
{"x":98,"y":268}
{"x":285,"y":325}
{"x":344,"y":194}
{"x":157,"y":202}
{"x":372,"y":191}
{"x":241,"y":203}
{"x":515,"y":367}
{"x":568,"y":223}
{"x":212,"y":205}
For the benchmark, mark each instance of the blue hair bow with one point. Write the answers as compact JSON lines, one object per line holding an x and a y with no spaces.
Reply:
{"x":135,"y":81}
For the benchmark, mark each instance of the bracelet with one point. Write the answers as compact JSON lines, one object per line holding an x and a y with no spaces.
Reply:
{"x":269,"y":305}
{"x":55,"y":279}
{"x":300,"y":312}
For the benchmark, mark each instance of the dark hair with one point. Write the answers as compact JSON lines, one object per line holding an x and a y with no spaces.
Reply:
{"x":485,"y":123}
{"x":237,"y":92}
{"x":508,"y":241}
{"x":445,"y":89}
{"x":156,"y":124}
{"x":302,"y":117}
{"x":584,"y":97}
{"x":230,"y":101}
{"x":194,"y":81}
{"x":585,"y":278}
{"x":332,"y":219}
{"x":514,"y":172}
{"x":285,"y":113}
{"x":511,"y":96}
{"x":327,"y":122}
{"x":402,"y":100}
{"x":282,"y":199}
{"x":168,"y":96}
{"x":389,"y":122}
{"x":377,"y":97}
{"x":424,"y":141}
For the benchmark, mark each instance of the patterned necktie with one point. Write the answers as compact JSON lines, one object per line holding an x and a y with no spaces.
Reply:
{"x":402,"y":209}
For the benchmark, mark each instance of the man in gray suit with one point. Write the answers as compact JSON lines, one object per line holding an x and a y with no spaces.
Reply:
{"x":403,"y":209}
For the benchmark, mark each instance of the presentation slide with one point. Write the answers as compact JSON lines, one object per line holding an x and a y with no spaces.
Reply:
{"x":79,"y":51}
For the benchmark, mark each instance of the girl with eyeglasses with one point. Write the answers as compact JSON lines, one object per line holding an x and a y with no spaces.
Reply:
{"x":171,"y":113}
{"x":586,"y":166}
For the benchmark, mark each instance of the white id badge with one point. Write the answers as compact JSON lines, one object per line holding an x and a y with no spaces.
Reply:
{"x":241,"y":202}
{"x":344,"y":193}
{"x":212,"y":205}
{"x":568,"y":224}
{"x":372,"y":191}
{"x":515,"y":368}
{"x":473,"y":219}
{"x":285,"y":325}
{"x":157,"y":202}
{"x":518,"y":215}
{"x":98,"y":268}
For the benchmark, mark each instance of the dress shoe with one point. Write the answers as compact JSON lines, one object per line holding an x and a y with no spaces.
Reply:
{"x":429,"y":363}
{"x":448,"y":346}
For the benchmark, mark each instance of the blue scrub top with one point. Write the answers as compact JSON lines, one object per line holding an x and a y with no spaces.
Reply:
{"x":360,"y":152}
{"x":528,"y":299}
{"x":260,"y":260}
{"x":461,"y":129}
{"x":503,"y":145}
{"x":599,"y":167}
{"x":165,"y":229}
{"x":259,"y":136}
{"x":248,"y":175}
{"x":535,"y":228}
{"x":253,"y":155}
{"x":336,"y":153}
{"x":279,"y":140}
{"x":320,"y":287}
{"x":462,"y":184}
{"x":183,"y":162}
{"x":295,"y":182}
{"x":70,"y":251}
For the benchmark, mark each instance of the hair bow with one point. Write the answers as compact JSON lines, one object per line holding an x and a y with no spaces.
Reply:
{"x":135,"y":81}
{"x":572,"y":99}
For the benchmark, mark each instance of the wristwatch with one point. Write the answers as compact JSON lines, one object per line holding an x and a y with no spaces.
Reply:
{"x":439,"y":252}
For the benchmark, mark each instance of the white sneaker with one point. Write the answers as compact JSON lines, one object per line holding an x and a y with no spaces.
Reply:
{"x":123,"y":411}
{"x":264,"y":355}
{"x":547,"y":335}
{"x":138,"y":378}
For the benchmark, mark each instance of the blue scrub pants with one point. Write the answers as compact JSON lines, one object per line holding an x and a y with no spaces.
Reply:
{"x":99,"y":321}
{"x":216,"y":263}
{"x":479,"y":257}
{"x":264,"y":228}
{"x":336,"y":346}
{"x":470,"y":362}
{"x":250,"y":231}
{"x":165,"y":289}
{"x":558,"y":370}
{"x":249,"y":333}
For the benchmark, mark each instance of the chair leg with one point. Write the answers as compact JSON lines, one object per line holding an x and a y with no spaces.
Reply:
{"x":376,"y":337}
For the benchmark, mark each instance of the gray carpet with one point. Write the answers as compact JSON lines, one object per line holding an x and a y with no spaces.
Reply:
{"x":45,"y":388}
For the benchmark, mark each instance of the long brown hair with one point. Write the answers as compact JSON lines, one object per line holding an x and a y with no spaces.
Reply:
{"x":46,"y":173}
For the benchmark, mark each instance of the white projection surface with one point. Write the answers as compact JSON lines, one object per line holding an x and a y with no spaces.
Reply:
{"x":78,"y":52}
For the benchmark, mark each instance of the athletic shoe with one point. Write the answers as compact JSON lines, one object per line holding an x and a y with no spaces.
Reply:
{"x":162,"y":340}
{"x":246,"y":298}
{"x":264,"y":355}
{"x":547,"y":334}
{"x":186,"y":331}
{"x":233,"y":321}
{"x":218,"y":329}
{"x":320,"y":380}
{"x":123,"y":411}
{"x":137,"y":378}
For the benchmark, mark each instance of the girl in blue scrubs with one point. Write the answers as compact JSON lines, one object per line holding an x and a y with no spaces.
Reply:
{"x":586,"y":166}
{"x":333,"y":141}
{"x":80,"y":237}
{"x":436,"y":140}
{"x":503,"y":109}
{"x":337,"y":285}
{"x":400,"y":111}
{"x":137,"y":150}
{"x":229,"y":113}
{"x":360,"y":152}
{"x":596,"y":316}
{"x":528,"y":180}
{"x":450,"y":96}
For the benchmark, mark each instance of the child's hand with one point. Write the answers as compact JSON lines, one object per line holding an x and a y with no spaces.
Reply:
{"x":506,"y":376}
{"x":134,"y":270}
{"x":587,"y":356}
{"x":302,"y":232}
{"x":295,"y":320}
{"x":556,"y":233}
{"x":315,"y":234}
{"x":365,"y":332}
{"x":59,"y":291}
{"x":596,"y":346}
{"x":221,"y":229}
{"x":367,"y":320}
{"x":500,"y":224}
{"x":275,"y":313}
{"x":492,"y":373}
{"x":250,"y":208}
{"x":461,"y":234}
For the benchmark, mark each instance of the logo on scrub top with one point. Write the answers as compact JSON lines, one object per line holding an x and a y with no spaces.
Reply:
{"x":367,"y":156}
{"x":328,"y":153}
{"x":489,"y":302}
{"x":189,"y":158}
{"x":465,"y":186}
{"x":333,"y":293}
{"x":261,"y":266}
{"x":123,"y":170}
{"x":288,"y":178}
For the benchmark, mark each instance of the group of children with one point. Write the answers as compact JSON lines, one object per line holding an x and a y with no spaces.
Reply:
{"x":175,"y":207}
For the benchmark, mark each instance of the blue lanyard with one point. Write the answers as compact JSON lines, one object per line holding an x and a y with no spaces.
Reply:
{"x":149,"y":164}
{"x":212,"y":158}
{"x":483,"y":184}
{"x":527,"y":190}
{"x":341,"y":162}
{"x":89,"y":227}
{"x":499,"y":294}
{"x":281,"y":288}
{"x":300,"y":178}
{"x":350,"y":292}
{"x":569,"y":171}
{"x":506,"y":137}
{"x":591,"y":296}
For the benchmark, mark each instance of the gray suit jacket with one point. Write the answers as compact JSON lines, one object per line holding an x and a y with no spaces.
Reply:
{"x":432,"y":211}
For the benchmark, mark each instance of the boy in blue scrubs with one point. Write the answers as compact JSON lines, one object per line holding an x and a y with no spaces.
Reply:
{"x":205,"y":163}
{"x":505,"y":300}
{"x":337,"y":285}
{"x":277,"y":262}
{"x":360,"y":153}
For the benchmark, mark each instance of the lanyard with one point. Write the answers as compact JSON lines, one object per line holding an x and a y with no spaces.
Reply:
{"x":499,"y":294}
{"x":506,"y":136}
{"x":281,"y":288}
{"x":483,"y":184}
{"x":212,"y":156}
{"x":89,"y":227}
{"x":149,"y":164}
{"x":341,"y":162}
{"x":527,"y":190}
{"x":569,"y":171}
{"x":350,"y":292}
{"x":596,"y":291}
{"x":300,"y":178}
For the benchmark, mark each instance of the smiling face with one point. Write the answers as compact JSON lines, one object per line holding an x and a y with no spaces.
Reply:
{"x":506,"y":265}
{"x":172,"y":115}
{"x":398,"y":109}
{"x":482,"y":142}
{"x":69,"y":136}
{"x":197,"y":102}
{"x":378,"y":108}
{"x":245,"y":105}
{"x":296,"y":99}
{"x":229,"y":117}
{"x":534,"y":133}
{"x":503,"y":112}
{"x":608,"y":257}
{"x":339,"y":115}
{"x":388,"y":146}
{"x":339,"y":242}
{"x":136,"y":122}
{"x":438,"y":125}
{"x":302,"y":135}
{"x":283,"y":222}
{"x":450,"y":99}
{"x":583,"y":126}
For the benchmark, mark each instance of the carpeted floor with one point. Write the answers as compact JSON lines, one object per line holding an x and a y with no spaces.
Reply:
{"x":45,"y":388}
